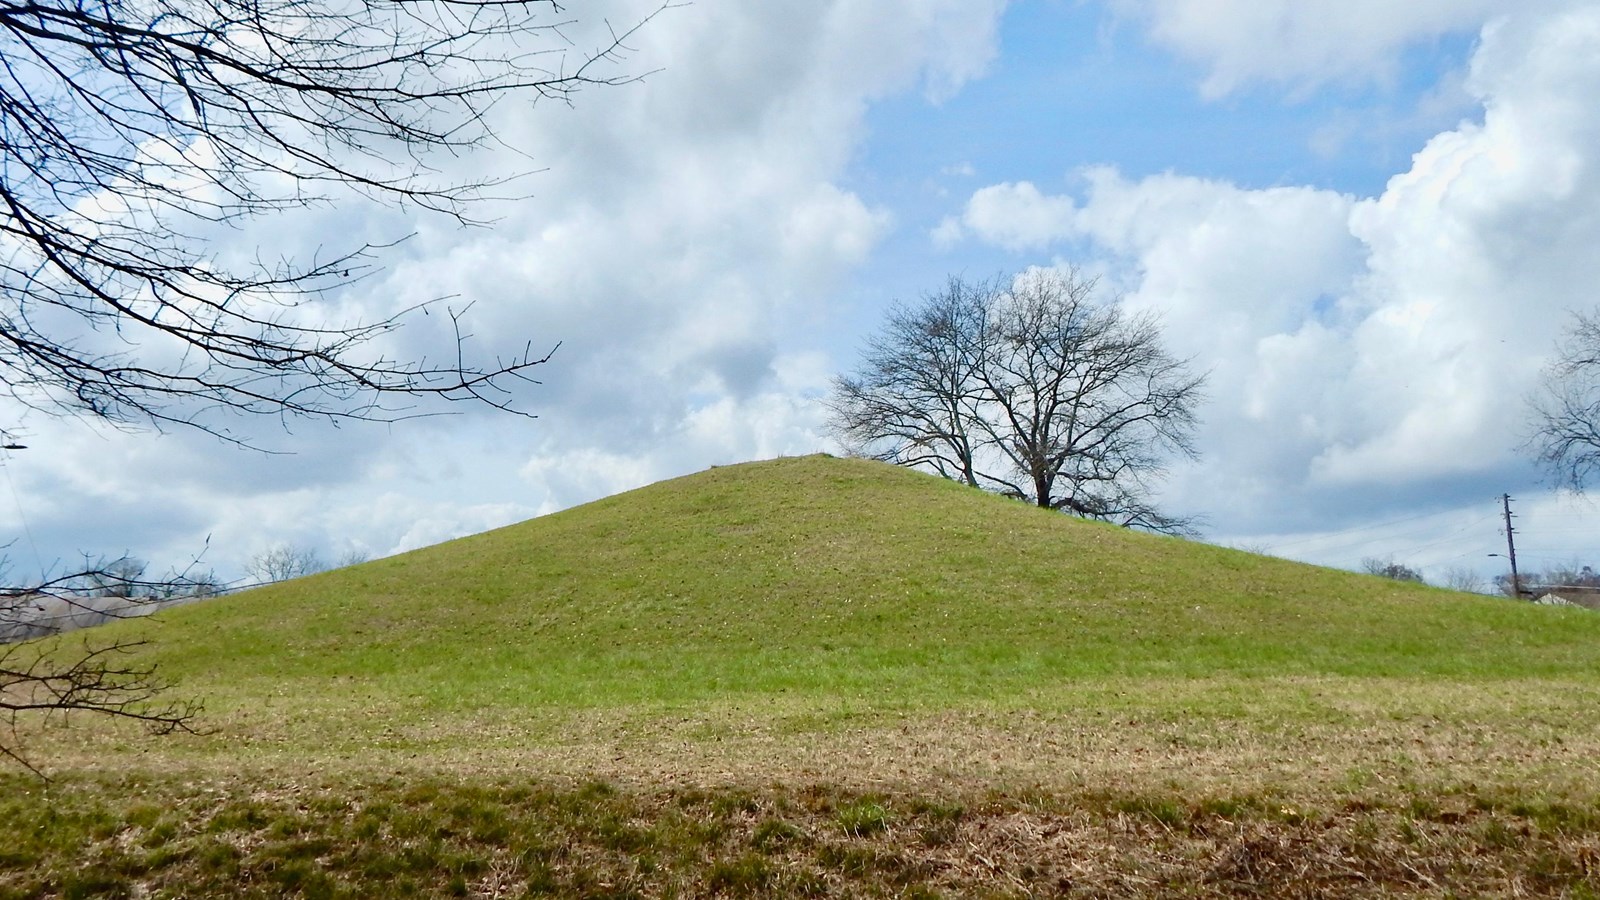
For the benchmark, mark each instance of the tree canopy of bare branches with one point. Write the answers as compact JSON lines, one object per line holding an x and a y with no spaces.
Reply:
{"x":138,"y":137}
{"x":1386,"y":567}
{"x":285,"y":561}
{"x":132,"y":132}
{"x":1565,"y":417}
{"x":1031,"y":387}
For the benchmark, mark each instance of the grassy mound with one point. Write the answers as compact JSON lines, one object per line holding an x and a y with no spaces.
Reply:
{"x":830,"y":578}
{"x":750,"y":659}
{"x":800,"y":595}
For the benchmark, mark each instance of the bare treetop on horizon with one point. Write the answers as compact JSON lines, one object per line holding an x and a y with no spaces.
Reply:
{"x":1030,"y":387}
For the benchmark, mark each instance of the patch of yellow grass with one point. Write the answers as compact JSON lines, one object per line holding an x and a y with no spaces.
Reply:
{"x":1311,"y":740}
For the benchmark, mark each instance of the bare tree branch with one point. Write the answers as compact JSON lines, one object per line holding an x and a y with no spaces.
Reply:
{"x":1565,"y":411}
{"x":96,"y":680}
{"x":42,"y":678}
{"x":132,"y":129}
{"x":134,"y":132}
{"x":914,"y":401}
{"x":283,"y":562}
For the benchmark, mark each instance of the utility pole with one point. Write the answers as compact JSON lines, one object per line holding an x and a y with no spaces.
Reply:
{"x":1511,"y":548}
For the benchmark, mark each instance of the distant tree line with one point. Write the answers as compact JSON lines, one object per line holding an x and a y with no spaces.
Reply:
{"x":1388,"y":568}
{"x":1456,"y":578}
{"x":104,"y":589}
{"x":1576,"y":582}
{"x":1572,"y":580}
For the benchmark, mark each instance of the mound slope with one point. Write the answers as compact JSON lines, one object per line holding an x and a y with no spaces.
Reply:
{"x":815,"y":574}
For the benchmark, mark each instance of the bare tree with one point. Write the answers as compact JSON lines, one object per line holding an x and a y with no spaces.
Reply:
{"x":1030,"y":387}
{"x":1571,"y":580}
{"x":196,"y":586}
{"x":121,"y":577}
{"x":100,"y":591}
{"x":1573,"y":574}
{"x":1387,"y":568}
{"x":1460,"y":578}
{"x":285,"y":561}
{"x":1565,"y":411}
{"x":133,"y":132}
{"x":916,"y":397}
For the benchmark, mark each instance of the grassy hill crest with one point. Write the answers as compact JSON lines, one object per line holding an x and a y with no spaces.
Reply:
{"x":817,"y":574}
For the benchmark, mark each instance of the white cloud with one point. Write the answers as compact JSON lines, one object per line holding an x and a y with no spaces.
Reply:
{"x":1359,"y":345}
{"x":687,"y":235}
{"x":1013,"y":215}
{"x":676,"y":240}
{"x":1478,"y":250}
{"x":725,"y":429}
{"x":1302,"y":42}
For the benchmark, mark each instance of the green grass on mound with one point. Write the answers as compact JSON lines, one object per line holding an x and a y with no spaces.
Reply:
{"x":828,"y":578}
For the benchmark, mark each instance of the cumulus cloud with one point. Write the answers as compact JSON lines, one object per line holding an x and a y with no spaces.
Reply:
{"x":674,"y":242}
{"x":1362,"y":344}
{"x":1016,"y":216}
{"x":1304,"y":43}
{"x":686,"y":235}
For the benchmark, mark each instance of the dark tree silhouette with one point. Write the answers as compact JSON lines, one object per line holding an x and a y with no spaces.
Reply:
{"x":1388,"y":568}
{"x":283,"y":562}
{"x":915,"y":399}
{"x":98,"y":680}
{"x":1028,"y":387}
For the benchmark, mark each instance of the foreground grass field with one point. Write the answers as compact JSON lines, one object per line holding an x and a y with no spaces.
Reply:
{"x":514,"y":838}
{"x":819,"y":676}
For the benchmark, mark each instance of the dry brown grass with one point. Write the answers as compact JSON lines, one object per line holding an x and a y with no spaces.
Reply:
{"x":1331,"y":788}
{"x":513,"y":837}
{"x":1381,"y":741}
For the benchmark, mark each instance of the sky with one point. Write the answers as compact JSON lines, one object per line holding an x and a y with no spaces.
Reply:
{"x":1369,"y":222}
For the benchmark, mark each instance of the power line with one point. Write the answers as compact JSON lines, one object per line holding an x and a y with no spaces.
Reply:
{"x":1368,"y":527}
{"x":1375,"y":534}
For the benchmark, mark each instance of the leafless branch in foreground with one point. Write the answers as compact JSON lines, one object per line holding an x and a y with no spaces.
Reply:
{"x":133,"y":132}
{"x":98,"y":680}
{"x":136,"y":136}
{"x":43,"y":678}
